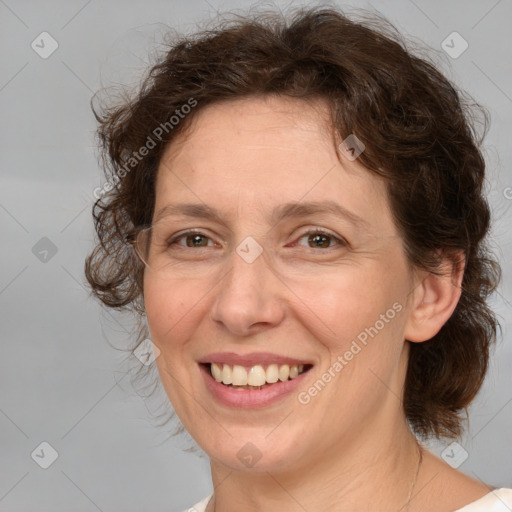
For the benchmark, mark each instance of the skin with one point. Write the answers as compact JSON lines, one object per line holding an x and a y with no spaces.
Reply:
{"x":350,"y":443}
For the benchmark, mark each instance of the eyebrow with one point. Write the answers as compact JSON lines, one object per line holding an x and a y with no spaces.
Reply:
{"x":280,"y":213}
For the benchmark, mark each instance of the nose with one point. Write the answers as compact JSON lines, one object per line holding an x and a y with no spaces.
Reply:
{"x":250,"y":297}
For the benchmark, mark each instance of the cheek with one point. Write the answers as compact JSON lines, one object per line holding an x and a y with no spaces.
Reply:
{"x":171,"y":307}
{"x":339,"y":305}
{"x":333,"y":304}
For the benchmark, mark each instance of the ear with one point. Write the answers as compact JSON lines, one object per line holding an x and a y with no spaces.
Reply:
{"x":434,"y":299}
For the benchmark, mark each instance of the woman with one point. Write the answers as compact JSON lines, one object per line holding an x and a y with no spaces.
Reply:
{"x":297,"y":210}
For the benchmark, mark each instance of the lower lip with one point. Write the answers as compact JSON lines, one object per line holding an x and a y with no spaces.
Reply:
{"x":249,"y":398}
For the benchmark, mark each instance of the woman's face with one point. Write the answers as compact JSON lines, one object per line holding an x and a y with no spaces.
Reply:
{"x":256,"y":288}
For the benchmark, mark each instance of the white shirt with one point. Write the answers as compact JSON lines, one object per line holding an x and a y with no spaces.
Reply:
{"x":499,"y":500}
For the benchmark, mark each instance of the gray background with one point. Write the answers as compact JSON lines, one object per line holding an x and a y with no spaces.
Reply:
{"x":62,"y":377}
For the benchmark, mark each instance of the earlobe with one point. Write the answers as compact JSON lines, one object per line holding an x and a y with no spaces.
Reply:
{"x":434,"y":299}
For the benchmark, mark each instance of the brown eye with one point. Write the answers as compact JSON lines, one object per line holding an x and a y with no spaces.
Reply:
{"x":321,"y":240}
{"x":192,"y":239}
{"x":196,"y":240}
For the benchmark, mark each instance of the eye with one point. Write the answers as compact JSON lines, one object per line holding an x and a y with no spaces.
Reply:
{"x":321,"y":239}
{"x":191,"y":238}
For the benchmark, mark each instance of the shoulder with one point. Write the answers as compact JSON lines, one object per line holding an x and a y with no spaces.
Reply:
{"x":498,"y":500}
{"x":200,"y":506}
{"x":452,"y":490}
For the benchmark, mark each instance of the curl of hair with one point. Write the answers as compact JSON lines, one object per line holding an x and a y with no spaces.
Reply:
{"x":420,"y":135}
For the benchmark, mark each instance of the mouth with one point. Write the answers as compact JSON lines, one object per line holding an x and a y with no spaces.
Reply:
{"x":252,"y":387}
{"x":255,"y":377}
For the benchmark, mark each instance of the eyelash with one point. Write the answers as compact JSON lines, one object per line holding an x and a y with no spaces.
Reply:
{"x":340,"y":241}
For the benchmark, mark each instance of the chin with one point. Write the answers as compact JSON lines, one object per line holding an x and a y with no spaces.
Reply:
{"x":255,"y":450}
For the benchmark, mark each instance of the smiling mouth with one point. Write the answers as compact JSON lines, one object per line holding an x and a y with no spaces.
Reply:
{"x":254,"y":377}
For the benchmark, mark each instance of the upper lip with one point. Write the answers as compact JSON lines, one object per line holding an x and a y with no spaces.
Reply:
{"x":251,"y":359}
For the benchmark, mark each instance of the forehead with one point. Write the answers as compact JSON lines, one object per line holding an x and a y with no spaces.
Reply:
{"x":253,"y":154}
{"x":277,"y":125}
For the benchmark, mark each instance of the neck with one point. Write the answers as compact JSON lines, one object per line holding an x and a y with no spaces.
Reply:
{"x":352,"y":477}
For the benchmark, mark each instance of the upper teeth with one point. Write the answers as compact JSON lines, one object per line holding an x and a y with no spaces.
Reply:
{"x":256,"y":376}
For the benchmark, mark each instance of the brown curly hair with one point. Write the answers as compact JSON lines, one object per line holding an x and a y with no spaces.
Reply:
{"x":420,"y":135}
